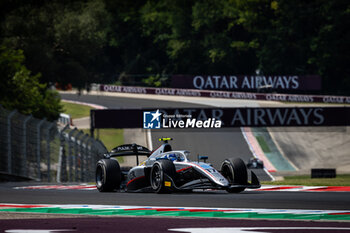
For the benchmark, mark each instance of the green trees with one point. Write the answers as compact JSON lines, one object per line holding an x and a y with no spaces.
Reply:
{"x":199,"y":37}
{"x":308,"y":37}
{"x":63,"y":40}
{"x":239,"y":36}
{"x":88,"y":41}
{"x":21,"y":90}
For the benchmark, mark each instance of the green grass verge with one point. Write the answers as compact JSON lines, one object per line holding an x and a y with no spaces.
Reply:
{"x":76,"y":110}
{"x":263,"y":144}
{"x":110,"y":137}
{"x":306,"y":180}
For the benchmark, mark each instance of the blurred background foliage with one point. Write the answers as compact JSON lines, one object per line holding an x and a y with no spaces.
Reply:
{"x":115,"y":41}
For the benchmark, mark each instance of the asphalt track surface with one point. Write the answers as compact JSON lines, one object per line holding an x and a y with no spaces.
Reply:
{"x":215,"y":199}
{"x":124,"y":102}
{"x":214,"y":143}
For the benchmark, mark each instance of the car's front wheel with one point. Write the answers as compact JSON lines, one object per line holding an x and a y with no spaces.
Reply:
{"x":235,"y":171}
{"x":161,"y":171}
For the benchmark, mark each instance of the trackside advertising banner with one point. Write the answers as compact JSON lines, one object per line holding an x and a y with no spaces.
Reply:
{"x":227,"y":94}
{"x":246,"y":82}
{"x":219,"y":117}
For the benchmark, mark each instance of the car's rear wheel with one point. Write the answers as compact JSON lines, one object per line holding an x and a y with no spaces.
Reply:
{"x":160,"y":173}
{"x":235,"y":171}
{"x":108,"y":175}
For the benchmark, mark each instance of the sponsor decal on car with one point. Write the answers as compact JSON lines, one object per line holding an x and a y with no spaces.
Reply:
{"x":167,"y":183}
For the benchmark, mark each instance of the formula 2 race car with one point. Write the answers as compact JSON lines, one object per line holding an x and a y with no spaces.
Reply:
{"x":167,"y":171}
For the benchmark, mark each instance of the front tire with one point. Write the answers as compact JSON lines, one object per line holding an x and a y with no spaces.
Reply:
{"x":235,"y":171}
{"x":161,"y":171}
{"x":108,"y":175}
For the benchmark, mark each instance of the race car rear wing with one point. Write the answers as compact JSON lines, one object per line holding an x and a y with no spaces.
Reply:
{"x":128,"y":150}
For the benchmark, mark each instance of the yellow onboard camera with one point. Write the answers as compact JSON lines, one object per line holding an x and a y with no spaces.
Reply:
{"x":165,"y":140}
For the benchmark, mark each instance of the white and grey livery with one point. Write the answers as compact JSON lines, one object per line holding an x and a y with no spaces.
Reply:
{"x":166,"y":170}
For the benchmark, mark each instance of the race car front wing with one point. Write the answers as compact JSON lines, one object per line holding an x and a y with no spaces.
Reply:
{"x":204,"y":183}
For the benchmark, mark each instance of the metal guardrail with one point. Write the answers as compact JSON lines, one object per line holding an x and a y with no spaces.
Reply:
{"x":45,"y":151}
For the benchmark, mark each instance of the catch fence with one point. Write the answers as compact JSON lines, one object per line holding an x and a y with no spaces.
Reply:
{"x":45,"y":151}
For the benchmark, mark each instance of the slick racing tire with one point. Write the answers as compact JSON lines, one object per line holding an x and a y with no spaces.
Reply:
{"x":235,"y":171}
{"x":160,"y":172}
{"x":108,"y":175}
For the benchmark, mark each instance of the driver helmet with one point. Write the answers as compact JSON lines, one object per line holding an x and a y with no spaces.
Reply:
{"x":172,"y":157}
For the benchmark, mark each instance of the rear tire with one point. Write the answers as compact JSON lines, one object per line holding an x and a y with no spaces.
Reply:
{"x":235,"y":171}
{"x":108,"y":175}
{"x":158,"y":177}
